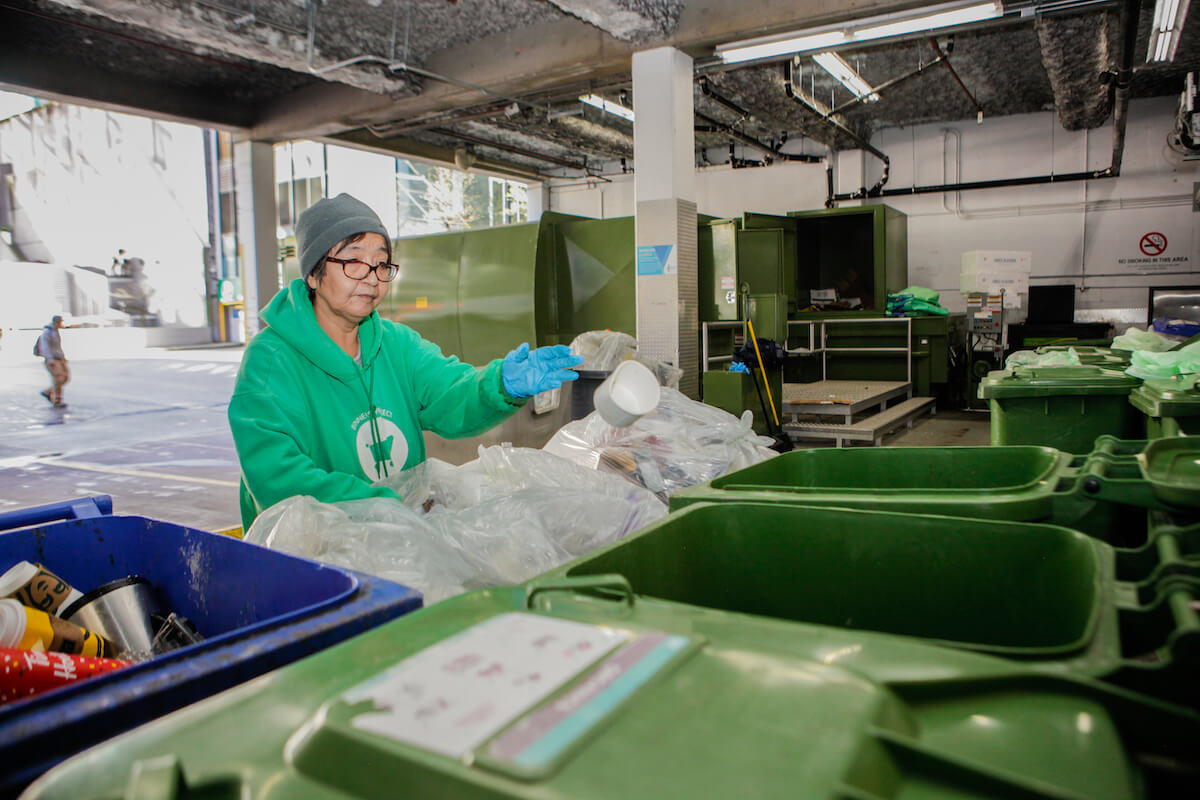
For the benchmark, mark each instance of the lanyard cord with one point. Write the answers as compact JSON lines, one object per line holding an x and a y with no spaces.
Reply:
{"x":381,"y":470}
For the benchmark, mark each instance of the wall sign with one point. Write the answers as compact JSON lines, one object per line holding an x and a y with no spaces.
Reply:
{"x":1155,"y":251}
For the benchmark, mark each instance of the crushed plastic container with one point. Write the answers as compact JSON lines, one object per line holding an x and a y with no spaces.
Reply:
{"x":1030,"y":591}
{"x":1171,"y":406}
{"x":578,"y":689}
{"x":257,"y":609}
{"x":1066,"y":408}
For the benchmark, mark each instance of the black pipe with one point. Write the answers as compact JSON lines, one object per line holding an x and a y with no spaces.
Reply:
{"x":1130,"y":11}
{"x":773,"y":152}
{"x":863,"y":192}
{"x":715,"y":126}
{"x":962,"y":187}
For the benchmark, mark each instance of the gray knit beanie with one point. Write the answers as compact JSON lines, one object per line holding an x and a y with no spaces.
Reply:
{"x":329,"y":221}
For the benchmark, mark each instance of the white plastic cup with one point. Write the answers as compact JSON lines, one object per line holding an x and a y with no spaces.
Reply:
{"x":629,"y":393}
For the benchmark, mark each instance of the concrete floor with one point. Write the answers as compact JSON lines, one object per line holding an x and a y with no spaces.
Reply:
{"x":149,"y":428}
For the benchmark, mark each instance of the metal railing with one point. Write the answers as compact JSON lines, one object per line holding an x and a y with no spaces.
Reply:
{"x":813,"y":349}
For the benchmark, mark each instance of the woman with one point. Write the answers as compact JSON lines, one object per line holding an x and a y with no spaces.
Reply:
{"x":330,"y":397}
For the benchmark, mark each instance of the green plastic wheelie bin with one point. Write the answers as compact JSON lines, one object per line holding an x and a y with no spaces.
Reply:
{"x":1106,"y":494}
{"x":585,"y":688}
{"x":1171,"y":406}
{"x":1066,"y":408}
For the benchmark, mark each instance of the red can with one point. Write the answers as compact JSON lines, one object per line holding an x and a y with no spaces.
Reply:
{"x":24,"y":673}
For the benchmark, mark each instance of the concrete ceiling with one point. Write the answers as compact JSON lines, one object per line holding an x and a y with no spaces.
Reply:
{"x":497,"y":81}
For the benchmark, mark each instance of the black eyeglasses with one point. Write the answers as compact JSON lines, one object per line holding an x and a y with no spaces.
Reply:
{"x":357,"y":269}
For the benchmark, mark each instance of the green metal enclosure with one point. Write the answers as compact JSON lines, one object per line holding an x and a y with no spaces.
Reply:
{"x":862,"y":252}
{"x":480,"y":293}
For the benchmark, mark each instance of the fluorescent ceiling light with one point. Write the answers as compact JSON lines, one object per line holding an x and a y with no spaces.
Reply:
{"x":946,"y":15}
{"x":607,"y":106}
{"x":1166,"y":28}
{"x":836,"y":66}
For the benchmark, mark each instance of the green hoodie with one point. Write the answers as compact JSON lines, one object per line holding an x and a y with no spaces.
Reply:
{"x":308,"y":420}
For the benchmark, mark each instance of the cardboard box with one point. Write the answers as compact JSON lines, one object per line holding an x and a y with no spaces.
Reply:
{"x":992,"y":270}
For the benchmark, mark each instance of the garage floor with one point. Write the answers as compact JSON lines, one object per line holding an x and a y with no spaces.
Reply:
{"x":149,"y":428}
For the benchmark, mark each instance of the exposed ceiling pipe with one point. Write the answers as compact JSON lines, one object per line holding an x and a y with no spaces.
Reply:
{"x":772,"y":151}
{"x":508,"y":148}
{"x":1130,"y":11}
{"x":843,"y":129}
{"x":943,"y":56}
{"x":857,"y":99}
{"x":1128,"y":20}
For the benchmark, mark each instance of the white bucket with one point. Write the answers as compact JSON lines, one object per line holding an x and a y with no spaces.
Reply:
{"x":630,"y":392}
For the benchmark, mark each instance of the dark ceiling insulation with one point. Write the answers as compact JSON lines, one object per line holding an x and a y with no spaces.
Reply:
{"x":216,"y":61}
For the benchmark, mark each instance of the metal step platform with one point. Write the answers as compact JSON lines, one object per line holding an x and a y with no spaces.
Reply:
{"x":849,"y":400}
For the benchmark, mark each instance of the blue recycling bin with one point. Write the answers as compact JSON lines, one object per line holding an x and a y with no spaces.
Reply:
{"x":258,"y":609}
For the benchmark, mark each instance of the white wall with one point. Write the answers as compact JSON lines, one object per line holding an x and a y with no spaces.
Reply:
{"x":1078,"y":232}
{"x":720,"y":191}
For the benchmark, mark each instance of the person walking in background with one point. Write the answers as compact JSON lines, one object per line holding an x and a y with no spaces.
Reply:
{"x":49,"y":347}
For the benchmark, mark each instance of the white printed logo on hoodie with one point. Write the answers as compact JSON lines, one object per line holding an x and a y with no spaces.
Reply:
{"x":390,"y":452}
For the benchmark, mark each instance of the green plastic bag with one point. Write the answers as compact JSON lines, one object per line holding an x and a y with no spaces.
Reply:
{"x":1146,"y":364}
{"x":1136,"y":339}
{"x":921,"y":293}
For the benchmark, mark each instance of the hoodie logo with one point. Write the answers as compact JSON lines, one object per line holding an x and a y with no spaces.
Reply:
{"x":382,"y":456}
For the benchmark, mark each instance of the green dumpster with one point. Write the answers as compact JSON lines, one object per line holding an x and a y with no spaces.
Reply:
{"x":1039,"y":593}
{"x":1062,"y":407}
{"x":1171,"y":406}
{"x":578,"y":689}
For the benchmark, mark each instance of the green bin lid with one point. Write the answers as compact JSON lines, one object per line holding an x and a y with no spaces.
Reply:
{"x":1055,"y":381}
{"x":1168,"y":397}
{"x":1172,"y":466}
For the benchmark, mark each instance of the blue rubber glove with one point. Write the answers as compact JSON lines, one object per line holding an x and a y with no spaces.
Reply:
{"x":527,"y":372}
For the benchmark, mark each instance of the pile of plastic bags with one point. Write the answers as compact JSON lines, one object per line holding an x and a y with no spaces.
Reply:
{"x":1146,"y":364}
{"x":915,"y":301}
{"x":511,"y":514}
{"x":681,"y":443}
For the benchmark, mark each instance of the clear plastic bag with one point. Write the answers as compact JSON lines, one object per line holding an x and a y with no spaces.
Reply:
{"x":504,"y":518}
{"x":605,"y":350}
{"x":680,"y":444}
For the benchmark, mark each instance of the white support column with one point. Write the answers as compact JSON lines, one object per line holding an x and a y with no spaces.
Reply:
{"x":254,"y":194}
{"x":665,"y":191}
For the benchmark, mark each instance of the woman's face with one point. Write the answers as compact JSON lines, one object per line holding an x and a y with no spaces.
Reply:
{"x":343,"y":296}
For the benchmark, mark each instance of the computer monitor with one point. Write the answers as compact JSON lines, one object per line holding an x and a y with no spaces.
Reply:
{"x":1051,"y":305}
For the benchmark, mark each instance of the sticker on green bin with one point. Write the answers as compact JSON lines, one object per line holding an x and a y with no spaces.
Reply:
{"x":452,"y":697}
{"x":538,"y":740}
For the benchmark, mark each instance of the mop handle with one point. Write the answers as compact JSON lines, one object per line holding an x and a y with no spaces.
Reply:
{"x":763,"y":367}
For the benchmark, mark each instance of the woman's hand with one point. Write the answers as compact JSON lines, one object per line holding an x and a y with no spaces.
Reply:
{"x":528,"y":372}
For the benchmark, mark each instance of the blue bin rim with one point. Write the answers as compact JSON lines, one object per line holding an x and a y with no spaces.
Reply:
{"x":219,"y":640}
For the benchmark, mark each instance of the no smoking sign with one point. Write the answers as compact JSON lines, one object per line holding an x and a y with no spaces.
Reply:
{"x":1153,"y":244}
